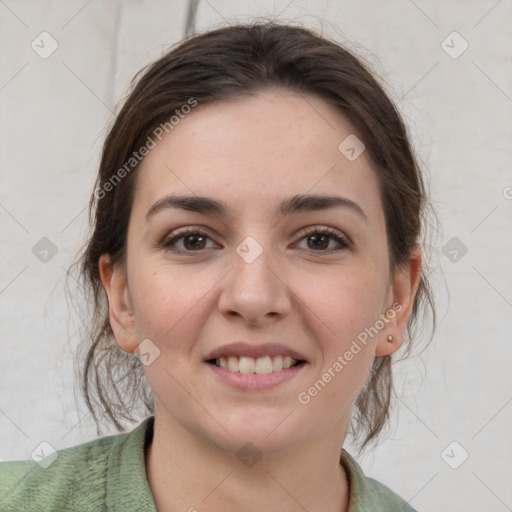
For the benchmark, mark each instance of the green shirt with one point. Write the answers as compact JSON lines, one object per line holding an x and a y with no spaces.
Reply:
{"x":108,"y":474}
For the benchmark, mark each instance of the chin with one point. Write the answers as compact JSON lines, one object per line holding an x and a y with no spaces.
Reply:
{"x":263,"y":429}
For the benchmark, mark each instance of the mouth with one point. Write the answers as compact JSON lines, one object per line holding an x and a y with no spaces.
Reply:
{"x":256,"y":365}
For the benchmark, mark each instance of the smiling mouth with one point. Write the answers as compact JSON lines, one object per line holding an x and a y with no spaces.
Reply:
{"x":256,"y":365}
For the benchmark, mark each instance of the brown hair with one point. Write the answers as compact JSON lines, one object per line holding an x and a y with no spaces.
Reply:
{"x":224,"y":63}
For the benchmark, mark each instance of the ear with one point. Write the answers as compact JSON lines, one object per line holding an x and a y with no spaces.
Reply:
{"x":400,"y":299}
{"x":120,"y":311}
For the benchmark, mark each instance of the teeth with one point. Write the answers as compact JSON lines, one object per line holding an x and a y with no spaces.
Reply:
{"x":258,"y":365}
{"x":233,"y":363}
{"x":263,"y":365}
{"x":247,"y":365}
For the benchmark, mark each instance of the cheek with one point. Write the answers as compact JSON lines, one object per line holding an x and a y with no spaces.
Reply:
{"x":170,"y":310}
{"x":345,"y":301}
{"x":345,"y":307}
{"x":168,"y":301}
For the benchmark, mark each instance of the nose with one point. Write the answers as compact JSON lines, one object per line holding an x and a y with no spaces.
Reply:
{"x":256,"y":288}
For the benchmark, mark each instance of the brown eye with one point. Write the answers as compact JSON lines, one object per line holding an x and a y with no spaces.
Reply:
{"x":193,"y":241}
{"x":319,"y":239}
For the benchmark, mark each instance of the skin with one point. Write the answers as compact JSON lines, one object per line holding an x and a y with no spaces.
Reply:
{"x":252,"y":153}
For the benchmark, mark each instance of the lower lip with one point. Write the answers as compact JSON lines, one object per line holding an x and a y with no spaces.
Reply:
{"x":253,"y":381}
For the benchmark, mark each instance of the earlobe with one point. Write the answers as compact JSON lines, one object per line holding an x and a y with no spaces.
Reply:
{"x":402,"y":294}
{"x":387,"y":345}
{"x":113,"y":278}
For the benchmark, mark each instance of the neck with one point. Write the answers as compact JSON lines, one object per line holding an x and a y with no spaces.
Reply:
{"x":187,"y":472}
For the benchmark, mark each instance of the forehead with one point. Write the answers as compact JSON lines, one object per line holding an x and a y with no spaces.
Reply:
{"x":258,"y":150}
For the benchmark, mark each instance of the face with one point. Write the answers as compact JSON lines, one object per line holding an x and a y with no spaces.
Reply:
{"x":253,"y":281}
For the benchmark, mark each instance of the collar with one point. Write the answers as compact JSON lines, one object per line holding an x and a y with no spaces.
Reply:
{"x":127,"y":484}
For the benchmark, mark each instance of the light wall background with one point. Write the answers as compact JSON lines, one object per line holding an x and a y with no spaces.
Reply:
{"x":54,"y":115}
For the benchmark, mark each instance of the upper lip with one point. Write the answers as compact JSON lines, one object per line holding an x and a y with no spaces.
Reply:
{"x":242,"y":348}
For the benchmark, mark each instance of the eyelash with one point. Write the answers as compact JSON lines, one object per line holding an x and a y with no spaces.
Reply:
{"x":330,"y":232}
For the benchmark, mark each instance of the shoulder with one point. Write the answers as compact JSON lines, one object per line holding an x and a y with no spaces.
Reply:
{"x":63,"y":480}
{"x":368,"y":494}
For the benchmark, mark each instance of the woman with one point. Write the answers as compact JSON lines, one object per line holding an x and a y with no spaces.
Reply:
{"x":257,"y":221}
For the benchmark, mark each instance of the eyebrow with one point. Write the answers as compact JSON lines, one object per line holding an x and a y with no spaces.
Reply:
{"x":296,"y":204}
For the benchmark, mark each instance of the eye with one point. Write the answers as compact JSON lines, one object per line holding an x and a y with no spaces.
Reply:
{"x":194,"y":240}
{"x":321,"y":237}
